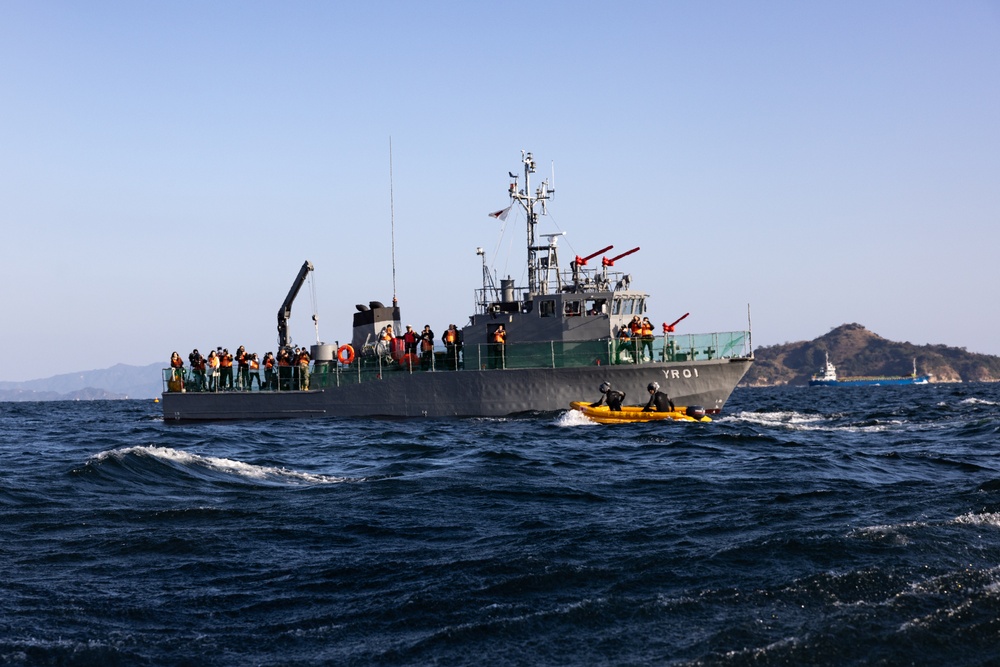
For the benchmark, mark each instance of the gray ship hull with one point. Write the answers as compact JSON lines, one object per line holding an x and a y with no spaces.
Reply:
{"x":469,"y":393}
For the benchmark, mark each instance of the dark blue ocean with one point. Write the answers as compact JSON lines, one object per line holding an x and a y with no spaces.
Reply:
{"x":853,"y":526}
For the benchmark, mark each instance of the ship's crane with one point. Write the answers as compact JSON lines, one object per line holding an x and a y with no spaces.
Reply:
{"x":286,"y":306}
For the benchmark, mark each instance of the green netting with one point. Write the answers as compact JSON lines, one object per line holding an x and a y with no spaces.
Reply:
{"x":556,"y":354}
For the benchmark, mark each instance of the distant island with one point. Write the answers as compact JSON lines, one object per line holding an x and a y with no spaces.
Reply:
{"x":857,"y":351}
{"x":119,"y":382}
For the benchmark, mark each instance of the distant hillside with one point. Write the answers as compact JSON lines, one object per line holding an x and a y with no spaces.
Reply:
{"x":118,"y":382}
{"x":856,"y":351}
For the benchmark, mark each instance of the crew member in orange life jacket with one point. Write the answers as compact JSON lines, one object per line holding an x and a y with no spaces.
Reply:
{"x":226,"y":369}
{"x":284,"y":369}
{"x":254,"y":372}
{"x":426,"y":347}
{"x":452,"y":339}
{"x":302,"y":363}
{"x":242,"y":368}
{"x":270,"y":377}
{"x":624,"y":343}
{"x":410,"y":339}
{"x":213,"y":371}
{"x":385,"y":340}
{"x":498,"y":347}
{"x":177,"y":364}
{"x":646,"y":339}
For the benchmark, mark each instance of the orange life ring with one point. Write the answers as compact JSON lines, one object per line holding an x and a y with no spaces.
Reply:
{"x":345,"y":359}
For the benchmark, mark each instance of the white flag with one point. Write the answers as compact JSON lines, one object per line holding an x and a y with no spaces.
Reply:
{"x":502,"y":214}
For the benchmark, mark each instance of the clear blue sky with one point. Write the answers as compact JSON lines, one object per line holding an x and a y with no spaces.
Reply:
{"x":165,"y":168}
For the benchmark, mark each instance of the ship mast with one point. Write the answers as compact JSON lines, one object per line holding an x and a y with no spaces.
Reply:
{"x":527,"y":200}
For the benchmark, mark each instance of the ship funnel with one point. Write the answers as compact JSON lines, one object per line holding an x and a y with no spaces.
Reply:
{"x":507,"y":289}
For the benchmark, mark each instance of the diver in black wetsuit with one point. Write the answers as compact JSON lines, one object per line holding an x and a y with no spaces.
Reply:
{"x":612,"y":396}
{"x":658,"y":399}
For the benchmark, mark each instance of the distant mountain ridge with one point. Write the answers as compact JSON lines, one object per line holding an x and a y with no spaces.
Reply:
{"x":855,"y":350}
{"x":121,"y":381}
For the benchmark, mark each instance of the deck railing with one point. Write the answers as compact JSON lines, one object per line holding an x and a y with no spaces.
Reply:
{"x":554,"y":354}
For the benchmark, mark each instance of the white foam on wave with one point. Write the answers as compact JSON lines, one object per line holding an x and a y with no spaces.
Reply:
{"x":797,"y":421}
{"x":788,"y":418}
{"x":991,"y":519}
{"x":887,"y":533}
{"x":974,"y":401}
{"x":226,"y":466}
{"x":574,"y":418}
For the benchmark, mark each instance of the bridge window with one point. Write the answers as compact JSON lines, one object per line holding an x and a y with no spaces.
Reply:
{"x":596,"y":306}
{"x":547,"y":308}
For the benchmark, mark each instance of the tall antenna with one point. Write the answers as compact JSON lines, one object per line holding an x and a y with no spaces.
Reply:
{"x":392,"y":225}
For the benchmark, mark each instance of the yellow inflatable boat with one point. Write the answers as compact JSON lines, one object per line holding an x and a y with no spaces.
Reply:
{"x":630,"y":414}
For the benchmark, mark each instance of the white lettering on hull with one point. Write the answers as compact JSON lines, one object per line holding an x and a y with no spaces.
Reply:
{"x":678,"y":373}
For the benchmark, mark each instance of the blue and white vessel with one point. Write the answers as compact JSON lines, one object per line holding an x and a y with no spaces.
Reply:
{"x":828,"y":378}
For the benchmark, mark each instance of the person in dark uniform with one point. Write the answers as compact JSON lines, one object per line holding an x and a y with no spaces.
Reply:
{"x":658,"y":399}
{"x":426,"y":347}
{"x":612,"y":396}
{"x":452,"y":344}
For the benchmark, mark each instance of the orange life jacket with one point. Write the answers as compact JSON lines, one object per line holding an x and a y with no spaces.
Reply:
{"x":449,"y":336}
{"x":647,"y":329}
{"x":254,"y":365}
{"x":499,"y":336}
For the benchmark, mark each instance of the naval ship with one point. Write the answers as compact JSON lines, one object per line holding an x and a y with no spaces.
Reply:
{"x":563,"y":340}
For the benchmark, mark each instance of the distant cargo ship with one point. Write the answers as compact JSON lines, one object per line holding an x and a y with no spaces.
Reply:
{"x":828,"y":378}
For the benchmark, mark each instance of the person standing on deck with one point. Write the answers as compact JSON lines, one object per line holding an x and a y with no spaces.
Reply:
{"x":254,"y":372}
{"x":284,"y":369}
{"x":242,"y":369}
{"x":646,"y":339}
{"x":624,"y":343}
{"x":499,"y":347}
{"x":410,"y":338}
{"x":426,"y":347}
{"x":450,"y":340}
{"x":303,"y":364}
{"x":270,"y":379}
{"x":177,"y":365}
{"x":198,"y":368}
{"x":213,"y":371}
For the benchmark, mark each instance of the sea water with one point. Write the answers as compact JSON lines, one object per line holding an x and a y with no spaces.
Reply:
{"x":822,"y":526}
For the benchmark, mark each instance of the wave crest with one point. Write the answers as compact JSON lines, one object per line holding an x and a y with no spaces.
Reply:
{"x":208,"y":466}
